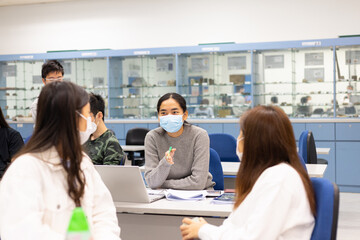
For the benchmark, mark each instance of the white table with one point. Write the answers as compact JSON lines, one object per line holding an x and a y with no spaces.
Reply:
{"x":161,"y":219}
{"x":231,"y":169}
{"x":323,"y":151}
{"x":133,"y":147}
{"x":141,"y":147}
{"x":314,"y":170}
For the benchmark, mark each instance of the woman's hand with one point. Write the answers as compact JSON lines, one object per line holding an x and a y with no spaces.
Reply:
{"x":190,"y":229}
{"x":169,"y":156}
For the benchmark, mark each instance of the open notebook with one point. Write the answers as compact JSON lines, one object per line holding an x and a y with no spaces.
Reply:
{"x":126,"y":184}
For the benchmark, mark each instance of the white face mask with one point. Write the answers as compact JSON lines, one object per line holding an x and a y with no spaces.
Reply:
{"x":238,"y":153}
{"x":90,"y":129}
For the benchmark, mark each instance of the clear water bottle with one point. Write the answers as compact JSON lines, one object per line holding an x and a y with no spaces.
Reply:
{"x":78,"y":226}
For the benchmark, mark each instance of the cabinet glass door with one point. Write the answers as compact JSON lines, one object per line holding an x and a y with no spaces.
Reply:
{"x":216,"y":84}
{"x":300,"y":81}
{"x":20,"y":84}
{"x":90,"y":73}
{"x":347,"y":81}
{"x":137,"y":83}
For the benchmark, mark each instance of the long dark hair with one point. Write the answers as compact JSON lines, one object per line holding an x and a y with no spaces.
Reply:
{"x":275,"y":145}
{"x":3,"y":123}
{"x":57,"y":126}
{"x":177,"y":97}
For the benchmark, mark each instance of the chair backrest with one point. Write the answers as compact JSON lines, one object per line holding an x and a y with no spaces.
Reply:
{"x":216,"y":170}
{"x":225,"y":145}
{"x":307,"y":147}
{"x":303,"y":145}
{"x":327,"y":209}
{"x":311,"y":149}
{"x":136,"y":136}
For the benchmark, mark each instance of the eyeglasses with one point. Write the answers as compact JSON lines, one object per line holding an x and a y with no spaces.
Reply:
{"x":54,"y":79}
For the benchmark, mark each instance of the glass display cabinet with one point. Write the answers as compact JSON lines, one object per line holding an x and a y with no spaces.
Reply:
{"x":137,"y":82}
{"x":216,"y":84}
{"x":300,"y":81}
{"x":217,"y":80}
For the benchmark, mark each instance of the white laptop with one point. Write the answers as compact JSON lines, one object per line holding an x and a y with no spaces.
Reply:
{"x":126,"y":184}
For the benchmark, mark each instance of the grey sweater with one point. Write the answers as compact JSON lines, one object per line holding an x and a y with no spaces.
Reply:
{"x":191,"y":159}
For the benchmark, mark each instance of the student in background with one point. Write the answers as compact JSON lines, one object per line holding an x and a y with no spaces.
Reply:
{"x":51,"y":71}
{"x":186,"y":166}
{"x":274,"y":100}
{"x":102,"y":147}
{"x":10,"y":143}
{"x":204,"y":110}
{"x":274,"y":195}
{"x":51,"y":175}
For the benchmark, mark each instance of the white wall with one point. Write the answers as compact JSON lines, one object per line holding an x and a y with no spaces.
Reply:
{"x":94,"y":24}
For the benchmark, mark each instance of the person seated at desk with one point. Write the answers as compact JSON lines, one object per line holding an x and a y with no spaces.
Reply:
{"x":204,"y":110}
{"x":51,"y":71}
{"x":10,"y":143}
{"x":102,"y":147}
{"x":186,"y":166}
{"x":51,"y":175}
{"x":274,"y":194}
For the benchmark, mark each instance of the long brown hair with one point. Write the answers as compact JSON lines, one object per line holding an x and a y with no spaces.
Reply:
{"x":57,"y":125}
{"x":268,"y":140}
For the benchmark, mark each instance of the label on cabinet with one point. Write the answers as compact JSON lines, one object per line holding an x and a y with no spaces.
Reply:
{"x":314,"y":43}
{"x":141,"y":52}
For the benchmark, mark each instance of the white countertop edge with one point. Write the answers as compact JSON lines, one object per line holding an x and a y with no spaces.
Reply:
{"x":219,"y":120}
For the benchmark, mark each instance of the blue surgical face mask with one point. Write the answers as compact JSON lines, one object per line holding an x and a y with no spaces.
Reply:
{"x":171,"y":123}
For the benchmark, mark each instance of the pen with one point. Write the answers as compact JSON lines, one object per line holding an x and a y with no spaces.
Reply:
{"x":170,"y":150}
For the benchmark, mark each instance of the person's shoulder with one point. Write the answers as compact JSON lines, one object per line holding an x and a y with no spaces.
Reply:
{"x":13,"y":132}
{"x":281,"y":173}
{"x":24,"y":163}
{"x":156,"y":132}
{"x":195,"y":129}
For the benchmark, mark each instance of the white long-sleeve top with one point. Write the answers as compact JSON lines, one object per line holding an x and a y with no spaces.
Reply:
{"x":276,"y":208}
{"x":34,"y":203}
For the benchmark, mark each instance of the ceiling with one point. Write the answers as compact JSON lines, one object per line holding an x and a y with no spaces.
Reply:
{"x":4,"y":3}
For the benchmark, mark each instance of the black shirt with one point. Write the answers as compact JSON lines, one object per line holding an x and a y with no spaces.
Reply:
{"x":10,"y":143}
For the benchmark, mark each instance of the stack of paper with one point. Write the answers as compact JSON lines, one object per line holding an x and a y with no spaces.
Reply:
{"x":185,"y":195}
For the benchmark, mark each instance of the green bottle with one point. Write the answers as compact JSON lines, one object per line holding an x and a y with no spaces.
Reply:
{"x":78,"y":226}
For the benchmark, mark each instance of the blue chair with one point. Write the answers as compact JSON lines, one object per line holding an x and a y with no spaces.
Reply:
{"x":327,"y":209}
{"x":225,"y":145}
{"x":307,"y":148}
{"x":25,"y":141}
{"x":216,"y":170}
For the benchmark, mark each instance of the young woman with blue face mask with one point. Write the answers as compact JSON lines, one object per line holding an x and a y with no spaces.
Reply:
{"x":187,"y":165}
{"x":52,"y":175}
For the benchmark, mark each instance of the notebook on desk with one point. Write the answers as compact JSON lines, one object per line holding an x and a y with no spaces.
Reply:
{"x":126,"y":184}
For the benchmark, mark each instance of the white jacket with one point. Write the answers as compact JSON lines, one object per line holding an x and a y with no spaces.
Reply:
{"x":276,"y":208}
{"x":34,"y":203}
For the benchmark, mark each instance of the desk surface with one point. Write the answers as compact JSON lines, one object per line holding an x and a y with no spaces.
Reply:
{"x":231,"y":169}
{"x":323,"y":151}
{"x":314,"y":170}
{"x":181,"y":208}
{"x":142,"y":147}
{"x":133,"y":147}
